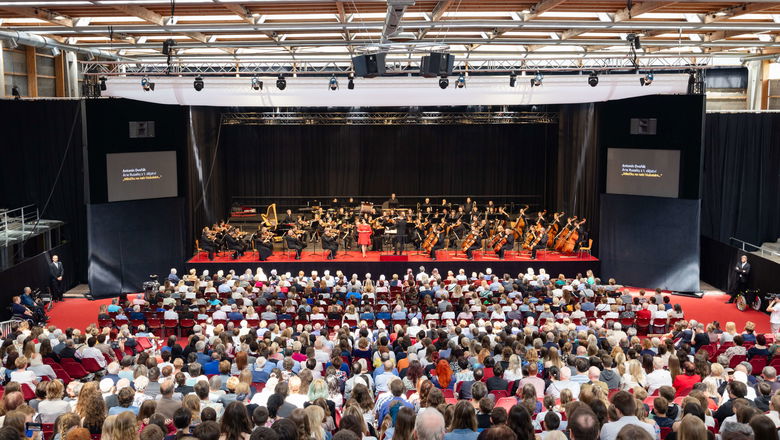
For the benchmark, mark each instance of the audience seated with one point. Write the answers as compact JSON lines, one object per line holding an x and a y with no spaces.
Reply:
{"x":431,"y":356}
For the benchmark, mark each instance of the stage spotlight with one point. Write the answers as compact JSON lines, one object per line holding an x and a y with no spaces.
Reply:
{"x":281,"y":83}
{"x":257,"y":84}
{"x":333,"y":83}
{"x":461,"y":81}
{"x":146,"y":84}
{"x":536,"y":81}
{"x":102,"y":83}
{"x":15,"y":92}
{"x":512,"y":79}
{"x":444,"y":82}
{"x":647,"y":79}
{"x":351,"y":81}
{"x":198,"y":84}
{"x":593,"y":79}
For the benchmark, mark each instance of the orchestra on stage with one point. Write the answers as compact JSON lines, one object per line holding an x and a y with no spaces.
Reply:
{"x":426,"y":228}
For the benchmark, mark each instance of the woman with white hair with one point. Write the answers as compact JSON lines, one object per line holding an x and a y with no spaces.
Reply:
{"x":634,"y":376}
{"x":514,"y":371}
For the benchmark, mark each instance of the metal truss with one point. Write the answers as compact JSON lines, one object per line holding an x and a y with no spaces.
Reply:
{"x":394,"y":67}
{"x":388,"y":118}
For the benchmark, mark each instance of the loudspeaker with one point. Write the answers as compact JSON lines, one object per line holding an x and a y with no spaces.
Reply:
{"x":437,"y":64}
{"x":369,"y":66}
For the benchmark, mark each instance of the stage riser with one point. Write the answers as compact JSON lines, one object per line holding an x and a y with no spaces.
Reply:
{"x":553,"y":268}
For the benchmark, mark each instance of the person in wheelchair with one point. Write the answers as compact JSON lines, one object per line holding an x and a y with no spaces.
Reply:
{"x":20,"y":311}
{"x":36,"y":305}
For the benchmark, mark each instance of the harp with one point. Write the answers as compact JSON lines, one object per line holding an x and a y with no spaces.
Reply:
{"x":269,"y":218}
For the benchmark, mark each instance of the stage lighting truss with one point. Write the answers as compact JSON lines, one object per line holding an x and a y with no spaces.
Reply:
{"x":388,"y":118}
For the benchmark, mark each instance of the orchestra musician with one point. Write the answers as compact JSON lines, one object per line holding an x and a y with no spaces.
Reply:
{"x":364,"y":235}
{"x":400,"y":234}
{"x":293,"y":241}
{"x":235,"y":244}
{"x":330,"y":243}
{"x":207,"y":242}
{"x":477,"y":243}
{"x":507,"y":238}
{"x":540,"y":239}
{"x":288,"y":218}
{"x":264,"y":244}
{"x":439,"y":241}
{"x":392,"y":203}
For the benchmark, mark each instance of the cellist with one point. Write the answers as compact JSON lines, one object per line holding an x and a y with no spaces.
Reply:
{"x":508,"y":239}
{"x":540,"y":240}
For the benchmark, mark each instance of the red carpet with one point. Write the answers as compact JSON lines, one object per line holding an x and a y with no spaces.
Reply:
{"x":79,"y":313}
{"x":355,"y":255}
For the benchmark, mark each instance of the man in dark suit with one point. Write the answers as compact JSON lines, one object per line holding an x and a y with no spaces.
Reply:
{"x":56,"y":272}
{"x":743,"y":272}
{"x":400,"y":235}
{"x":509,"y":244}
{"x":439,"y":242}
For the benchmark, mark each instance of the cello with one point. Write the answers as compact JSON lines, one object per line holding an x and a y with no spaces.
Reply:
{"x":431,"y":239}
{"x":530,"y":236}
{"x":572,"y":238}
{"x":470,"y":239}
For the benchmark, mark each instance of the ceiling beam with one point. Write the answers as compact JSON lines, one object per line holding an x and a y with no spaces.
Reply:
{"x":621,"y":15}
{"x":440,"y":9}
{"x":43,"y":14}
{"x":541,"y":7}
{"x":734,"y":11}
{"x":157,"y":19}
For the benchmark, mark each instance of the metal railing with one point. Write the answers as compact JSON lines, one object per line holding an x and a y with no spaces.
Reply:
{"x":17,"y":221}
{"x":746,"y":247}
{"x":6,"y":327}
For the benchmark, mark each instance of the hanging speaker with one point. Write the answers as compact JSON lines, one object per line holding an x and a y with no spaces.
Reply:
{"x":437,"y":64}
{"x":370,"y":65}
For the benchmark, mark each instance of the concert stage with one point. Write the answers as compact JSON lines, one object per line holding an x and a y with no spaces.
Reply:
{"x":353,"y":262}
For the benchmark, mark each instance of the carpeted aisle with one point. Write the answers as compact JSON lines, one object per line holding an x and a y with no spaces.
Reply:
{"x":76,"y":312}
{"x":79,"y":312}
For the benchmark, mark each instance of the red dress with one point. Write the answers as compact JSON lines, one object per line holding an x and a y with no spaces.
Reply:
{"x":364,"y":234}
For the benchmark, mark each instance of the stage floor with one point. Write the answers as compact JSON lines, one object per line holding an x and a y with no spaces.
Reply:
{"x":374,"y":256}
{"x":353,"y":262}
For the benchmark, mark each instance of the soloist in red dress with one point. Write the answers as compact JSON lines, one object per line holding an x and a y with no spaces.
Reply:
{"x":364,"y":234}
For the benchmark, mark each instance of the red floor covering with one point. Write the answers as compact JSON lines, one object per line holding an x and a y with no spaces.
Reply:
{"x":355,"y":255}
{"x":79,"y":313}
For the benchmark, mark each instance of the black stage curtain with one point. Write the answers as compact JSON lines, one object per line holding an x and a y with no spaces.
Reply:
{"x":207,"y":198}
{"x":327,"y":160}
{"x":650,"y":241}
{"x":579,"y":166}
{"x":741,"y":184}
{"x":128,"y":241}
{"x":35,"y":138}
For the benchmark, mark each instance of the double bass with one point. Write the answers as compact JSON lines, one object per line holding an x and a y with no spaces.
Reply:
{"x":519,"y":225}
{"x":572,"y":238}
{"x":560,"y":239}
{"x":553,"y":230}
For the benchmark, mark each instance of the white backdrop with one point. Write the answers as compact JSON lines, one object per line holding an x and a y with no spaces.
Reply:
{"x":392,"y":91}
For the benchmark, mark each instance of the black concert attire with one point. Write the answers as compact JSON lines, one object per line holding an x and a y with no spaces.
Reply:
{"x":235,"y":245}
{"x":542,"y":244}
{"x":743,"y":272}
{"x":510,"y":243}
{"x":208,"y":245}
{"x":400,"y":236}
{"x":474,"y":246}
{"x":392,"y":203}
{"x":378,"y":237}
{"x":57,"y":286}
{"x":264,"y":248}
{"x":293,"y":243}
{"x":330,"y":244}
{"x":439,"y":245}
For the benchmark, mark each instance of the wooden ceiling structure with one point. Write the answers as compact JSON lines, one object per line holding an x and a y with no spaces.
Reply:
{"x":331,"y":31}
